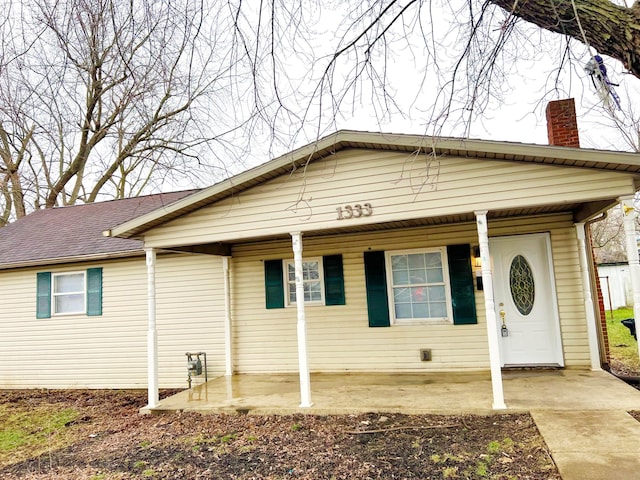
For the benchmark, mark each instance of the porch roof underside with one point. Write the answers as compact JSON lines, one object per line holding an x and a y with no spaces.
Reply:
{"x":342,"y":140}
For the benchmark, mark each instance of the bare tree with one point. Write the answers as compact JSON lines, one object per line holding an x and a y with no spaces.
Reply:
{"x":608,"y":239}
{"x":105,"y":97}
{"x":113,"y":97}
{"x":468,"y":51}
{"x":609,"y":28}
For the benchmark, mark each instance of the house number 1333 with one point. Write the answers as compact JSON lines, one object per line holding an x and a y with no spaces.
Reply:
{"x":355,"y":211}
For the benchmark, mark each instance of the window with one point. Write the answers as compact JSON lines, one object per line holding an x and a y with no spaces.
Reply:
{"x":323,"y":276}
{"x":68,"y":293}
{"x":457,"y":276}
{"x":311,"y":278}
{"x":418,"y":285}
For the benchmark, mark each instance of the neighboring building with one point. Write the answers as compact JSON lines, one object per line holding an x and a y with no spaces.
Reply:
{"x":412,"y":252}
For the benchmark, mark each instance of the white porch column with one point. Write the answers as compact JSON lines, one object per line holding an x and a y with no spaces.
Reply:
{"x":228,"y":358}
{"x":589,"y":308}
{"x":303,"y":359}
{"x":629,"y":219}
{"x":152,"y":334}
{"x":489,"y":305}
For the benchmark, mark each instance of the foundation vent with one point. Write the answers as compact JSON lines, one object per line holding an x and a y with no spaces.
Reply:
{"x":425,"y":354}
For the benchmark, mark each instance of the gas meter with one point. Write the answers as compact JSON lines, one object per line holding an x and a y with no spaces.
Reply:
{"x":194,"y":365}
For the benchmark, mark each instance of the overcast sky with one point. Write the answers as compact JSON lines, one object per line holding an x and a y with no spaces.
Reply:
{"x":534,"y":67}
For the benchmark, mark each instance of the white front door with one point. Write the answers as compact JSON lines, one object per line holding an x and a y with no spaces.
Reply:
{"x":525,"y":298}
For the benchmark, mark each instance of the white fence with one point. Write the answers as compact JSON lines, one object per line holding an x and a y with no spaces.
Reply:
{"x":615,"y":281}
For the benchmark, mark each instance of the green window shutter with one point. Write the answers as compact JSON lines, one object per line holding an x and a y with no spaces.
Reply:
{"x":274,"y":283}
{"x":461,"y":278}
{"x":94,"y":292}
{"x":376,"y":282}
{"x":333,"y":280}
{"x":43,"y":287}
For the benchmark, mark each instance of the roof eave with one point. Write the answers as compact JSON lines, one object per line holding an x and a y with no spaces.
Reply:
{"x":72,"y":259}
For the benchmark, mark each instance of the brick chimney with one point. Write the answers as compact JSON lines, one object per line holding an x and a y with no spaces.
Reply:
{"x":562,"y":125}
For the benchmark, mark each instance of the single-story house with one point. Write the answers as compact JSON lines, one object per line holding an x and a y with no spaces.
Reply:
{"x":412,"y":254}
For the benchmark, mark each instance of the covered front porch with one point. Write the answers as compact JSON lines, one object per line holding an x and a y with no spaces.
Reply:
{"x":500,"y":275}
{"x":420,"y":393}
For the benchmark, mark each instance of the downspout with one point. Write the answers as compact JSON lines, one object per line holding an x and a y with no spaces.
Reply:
{"x":582,"y":233}
{"x":598,"y":308}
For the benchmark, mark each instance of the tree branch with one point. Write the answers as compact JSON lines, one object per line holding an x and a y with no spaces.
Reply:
{"x":611,"y":29}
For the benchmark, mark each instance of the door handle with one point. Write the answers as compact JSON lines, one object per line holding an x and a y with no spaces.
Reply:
{"x":504,"y":331}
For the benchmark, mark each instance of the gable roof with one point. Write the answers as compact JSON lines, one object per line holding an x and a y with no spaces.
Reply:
{"x":348,"y":139}
{"x":74,"y":233}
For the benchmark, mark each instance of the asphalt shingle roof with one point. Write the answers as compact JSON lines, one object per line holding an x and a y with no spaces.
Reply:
{"x":71,"y":233}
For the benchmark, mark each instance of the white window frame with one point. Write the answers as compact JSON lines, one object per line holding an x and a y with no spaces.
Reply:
{"x":54,"y":295}
{"x":447,"y":288}
{"x":287,"y":285}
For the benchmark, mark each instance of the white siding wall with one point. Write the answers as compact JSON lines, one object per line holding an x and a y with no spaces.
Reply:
{"x":398,"y":186}
{"x":111,"y":350}
{"x":190,"y":309}
{"x":339,"y":337}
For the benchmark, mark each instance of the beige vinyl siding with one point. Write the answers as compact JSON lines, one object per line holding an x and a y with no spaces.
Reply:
{"x":111,"y":350}
{"x":398,"y":186}
{"x":339,"y":338}
{"x":190,"y":311}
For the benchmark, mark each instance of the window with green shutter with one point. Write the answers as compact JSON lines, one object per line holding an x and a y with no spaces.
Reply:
{"x":422,"y":285}
{"x":69,"y":293}
{"x":323,"y":280}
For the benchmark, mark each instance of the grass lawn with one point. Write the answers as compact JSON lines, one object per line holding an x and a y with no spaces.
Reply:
{"x":38,"y":429}
{"x":623,"y":347}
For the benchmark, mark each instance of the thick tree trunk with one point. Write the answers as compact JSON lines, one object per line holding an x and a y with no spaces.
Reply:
{"x":611,"y":29}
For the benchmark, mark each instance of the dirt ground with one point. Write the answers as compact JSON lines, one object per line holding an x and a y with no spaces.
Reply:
{"x":109,"y":439}
{"x":622,"y":369}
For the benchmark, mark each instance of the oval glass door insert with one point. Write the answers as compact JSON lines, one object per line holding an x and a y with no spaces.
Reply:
{"x":521,"y":284}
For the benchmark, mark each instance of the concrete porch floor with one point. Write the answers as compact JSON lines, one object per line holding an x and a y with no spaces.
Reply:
{"x":438,"y":393}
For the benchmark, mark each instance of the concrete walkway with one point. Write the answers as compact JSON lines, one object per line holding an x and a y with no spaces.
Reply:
{"x":592,"y":444}
{"x":581,"y":415}
{"x":584,"y":422}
